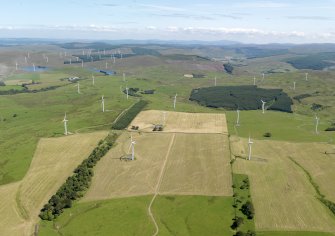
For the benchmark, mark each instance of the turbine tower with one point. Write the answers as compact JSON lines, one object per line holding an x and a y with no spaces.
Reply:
{"x":317,"y":119}
{"x":263,"y":76}
{"x":78,"y":87}
{"x":93,"y":80}
{"x":34,"y":68}
{"x":124,"y":77}
{"x":106,"y":66}
{"x":103,"y":103}
{"x":215,"y":81}
{"x":82,"y":63}
{"x":132,"y":150}
{"x":65,"y":125}
{"x":254,"y":80}
{"x":16,"y":65}
{"x":174,"y":102}
{"x":249,"y":144}
{"x":164,"y":117}
{"x":263,"y":106}
{"x":306,"y":76}
{"x":294,"y":85}
{"x":238,"y":117}
{"x":127,"y":91}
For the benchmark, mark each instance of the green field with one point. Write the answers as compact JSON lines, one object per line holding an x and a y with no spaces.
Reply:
{"x":177,"y":215}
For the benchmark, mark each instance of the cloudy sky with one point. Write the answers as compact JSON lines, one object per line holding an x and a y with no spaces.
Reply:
{"x":260,"y":21}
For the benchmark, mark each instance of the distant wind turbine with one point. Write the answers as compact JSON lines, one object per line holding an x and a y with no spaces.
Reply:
{"x":317,"y":119}
{"x":238,"y":117}
{"x":174,"y":102}
{"x":65,"y":125}
{"x":249,"y":145}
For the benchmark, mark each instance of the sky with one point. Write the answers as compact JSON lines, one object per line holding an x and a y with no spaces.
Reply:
{"x":259,"y":21}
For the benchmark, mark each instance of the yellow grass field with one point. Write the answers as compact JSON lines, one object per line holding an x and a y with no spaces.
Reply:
{"x":114,"y":178}
{"x":284,"y":199}
{"x":182,"y":122}
{"x":201,"y":168}
{"x":53,"y":162}
{"x":198,"y":164}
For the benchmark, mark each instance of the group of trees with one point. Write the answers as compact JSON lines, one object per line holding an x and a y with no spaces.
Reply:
{"x":247,"y":97}
{"x":78,"y":183}
{"x":228,"y":68}
{"x":129,"y":115}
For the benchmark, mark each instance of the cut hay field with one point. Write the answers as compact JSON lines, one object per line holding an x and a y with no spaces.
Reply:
{"x":195,"y":163}
{"x":283,"y":197}
{"x":181,"y":122}
{"x":53,"y":162}
{"x":198,"y":164}
{"x":177,"y":215}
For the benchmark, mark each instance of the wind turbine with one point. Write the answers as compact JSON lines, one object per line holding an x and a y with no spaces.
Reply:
{"x":47,"y":59}
{"x":306,"y":76}
{"x":127,"y":91}
{"x":249,"y":144}
{"x":263,"y":106}
{"x":103,"y":103}
{"x":93,"y":79}
{"x":16,"y":65}
{"x":65,"y":124}
{"x":317,"y":119}
{"x":82,"y":63}
{"x":238,"y":117}
{"x":132,"y":150}
{"x":106,"y":65}
{"x":263,"y":76}
{"x":294,"y":85}
{"x":254,"y":80}
{"x":215,"y":81}
{"x":124,"y":77}
{"x":174,"y":102}
{"x":78,"y":87}
{"x":164,"y":117}
{"x":34,"y":68}
{"x":70,"y":61}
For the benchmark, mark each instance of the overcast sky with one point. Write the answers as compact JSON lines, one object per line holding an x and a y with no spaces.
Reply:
{"x":240,"y":20}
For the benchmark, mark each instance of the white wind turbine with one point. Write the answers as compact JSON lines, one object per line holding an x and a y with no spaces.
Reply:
{"x":133,"y":150}
{"x":70,"y":61}
{"x":294,"y":85}
{"x":263,"y":76}
{"x":263,"y":106}
{"x":124,"y":77}
{"x":127,"y":91}
{"x":78,"y":87}
{"x":93,"y":80}
{"x":317,"y":120}
{"x":103,"y":103}
{"x":306,"y":76}
{"x":249,"y":145}
{"x":34,"y":68}
{"x":164,"y":117}
{"x":254,"y":80}
{"x":82,"y":63}
{"x":215,"y":81}
{"x":238,"y":117}
{"x":47,"y":59}
{"x":106,"y":66}
{"x":65,"y":125}
{"x":174,"y":102}
{"x":16,"y":65}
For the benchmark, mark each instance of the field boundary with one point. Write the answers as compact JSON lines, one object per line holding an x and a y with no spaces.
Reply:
{"x":321,"y":197}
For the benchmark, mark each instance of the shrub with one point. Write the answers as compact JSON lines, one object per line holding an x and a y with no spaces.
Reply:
{"x":237,"y":222}
{"x":267,"y":135}
{"x":248,"y":209}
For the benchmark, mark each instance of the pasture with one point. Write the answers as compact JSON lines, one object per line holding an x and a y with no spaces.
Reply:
{"x":277,"y":184}
{"x":54,"y":160}
{"x":177,"y":215}
{"x":181,"y":122}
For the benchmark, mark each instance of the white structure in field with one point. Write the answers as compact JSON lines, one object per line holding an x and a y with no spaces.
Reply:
{"x":238,"y":117}
{"x":254,"y":80}
{"x":317,"y":120}
{"x":306,"y":76}
{"x":215,"y":81}
{"x":16,"y":65}
{"x":263,"y":106}
{"x":249,"y":144}
{"x":78,"y":87}
{"x":93,"y":79}
{"x":65,"y":125}
{"x":164,"y":117}
{"x":175,"y":101}
{"x":82,"y":63}
{"x":103,"y":103}
{"x":263,"y":76}
{"x":133,"y":150}
{"x":34,"y":68}
{"x":124,"y":77}
{"x":294,"y":85}
{"x":127,"y":91}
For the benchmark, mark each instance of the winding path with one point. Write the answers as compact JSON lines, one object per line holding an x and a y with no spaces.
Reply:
{"x":159,"y":184}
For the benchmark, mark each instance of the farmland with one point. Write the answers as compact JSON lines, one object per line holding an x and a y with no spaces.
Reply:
{"x":53,"y":162}
{"x":185,"y":170}
{"x":278,"y":185}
